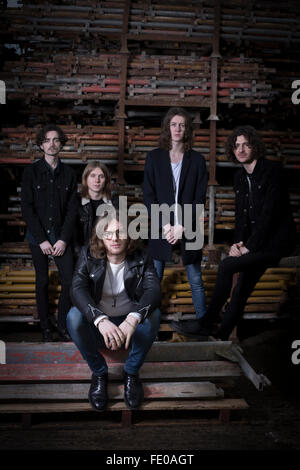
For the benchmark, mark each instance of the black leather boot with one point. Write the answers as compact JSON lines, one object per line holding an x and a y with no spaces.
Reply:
{"x":98,"y":396}
{"x":47,"y":335}
{"x":191,"y":328}
{"x":133,"y":391}
{"x":64,"y":335}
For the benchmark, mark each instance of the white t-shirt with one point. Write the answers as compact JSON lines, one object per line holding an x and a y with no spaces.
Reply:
{"x":115,"y":301}
{"x":176,"y":170}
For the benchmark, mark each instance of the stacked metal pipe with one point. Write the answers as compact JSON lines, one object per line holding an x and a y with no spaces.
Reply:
{"x":17,"y":293}
{"x":88,"y":143}
{"x":265,"y":301}
{"x":82,"y":79}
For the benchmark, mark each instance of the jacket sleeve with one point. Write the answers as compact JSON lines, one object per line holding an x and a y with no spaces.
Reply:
{"x":151,"y":297}
{"x":77,"y":236}
{"x":239,"y":232}
{"x":149,"y":191}
{"x":69,"y":224}
{"x":270,"y":210}
{"x":81,"y":290}
{"x":28,"y":207}
{"x":201,"y":188}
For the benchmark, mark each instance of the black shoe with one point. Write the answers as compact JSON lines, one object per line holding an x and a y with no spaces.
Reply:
{"x":47,"y":335}
{"x":191,"y":328}
{"x":98,"y":396}
{"x":64,"y":335}
{"x":133,"y":391}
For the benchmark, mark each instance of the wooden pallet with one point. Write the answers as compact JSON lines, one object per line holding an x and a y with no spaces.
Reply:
{"x":52,"y":377}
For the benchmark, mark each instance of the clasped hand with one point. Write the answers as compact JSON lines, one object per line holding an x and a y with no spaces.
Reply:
{"x":115,"y":336}
{"x":173,"y":233}
{"x":57,"y":249}
{"x":238,"y":249}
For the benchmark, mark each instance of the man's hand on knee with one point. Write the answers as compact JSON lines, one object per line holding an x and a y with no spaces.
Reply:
{"x":238,"y":249}
{"x":128,"y":326}
{"x":235,"y":250}
{"x":112,"y":334}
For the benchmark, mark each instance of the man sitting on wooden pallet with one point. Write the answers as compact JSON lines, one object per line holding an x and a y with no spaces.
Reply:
{"x":116,"y":295}
{"x":264,"y":233}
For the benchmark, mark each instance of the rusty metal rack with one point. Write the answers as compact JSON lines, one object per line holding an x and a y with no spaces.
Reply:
{"x":17,"y":292}
{"x":101,"y":142}
{"x":90,"y":54}
{"x":265,"y":302}
{"x":151,"y":80}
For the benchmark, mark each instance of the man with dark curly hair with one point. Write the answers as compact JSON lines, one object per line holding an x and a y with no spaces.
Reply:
{"x":175,"y":175}
{"x":264,"y":233}
{"x":49,"y":208}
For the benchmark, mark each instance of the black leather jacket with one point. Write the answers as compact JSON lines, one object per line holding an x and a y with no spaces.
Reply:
{"x":140,"y":278}
{"x":85,"y":222}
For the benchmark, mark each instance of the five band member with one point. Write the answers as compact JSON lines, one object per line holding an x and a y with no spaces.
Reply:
{"x":264,"y":232}
{"x":49,"y":208}
{"x":176,"y":175}
{"x":116,"y":294}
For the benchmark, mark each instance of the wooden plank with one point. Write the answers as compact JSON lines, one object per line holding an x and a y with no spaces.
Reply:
{"x":71,"y":391}
{"x":152,"y":405}
{"x":67,"y":353}
{"x":149,"y":370}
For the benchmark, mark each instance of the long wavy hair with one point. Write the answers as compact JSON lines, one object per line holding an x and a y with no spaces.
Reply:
{"x":254,"y":139}
{"x":106,"y":191}
{"x":96,"y":245}
{"x":41,"y":135}
{"x":165,"y":141}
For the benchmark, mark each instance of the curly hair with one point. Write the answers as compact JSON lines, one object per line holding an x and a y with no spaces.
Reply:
{"x":165,"y":141}
{"x":96,"y":245}
{"x":254,"y":140}
{"x":86,"y":172}
{"x":41,"y":135}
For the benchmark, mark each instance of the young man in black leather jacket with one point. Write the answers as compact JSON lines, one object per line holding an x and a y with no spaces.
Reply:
{"x":264,"y":232}
{"x":116,"y":295}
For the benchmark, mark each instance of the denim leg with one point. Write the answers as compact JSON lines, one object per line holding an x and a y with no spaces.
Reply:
{"x":159,"y":266}
{"x":142,"y":341}
{"x":88,"y":340}
{"x":198,"y":294}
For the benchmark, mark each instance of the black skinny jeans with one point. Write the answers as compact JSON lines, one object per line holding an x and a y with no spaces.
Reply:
{"x":65,"y":265}
{"x":250,"y":268}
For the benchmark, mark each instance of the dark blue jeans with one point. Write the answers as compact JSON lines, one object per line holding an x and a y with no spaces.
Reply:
{"x":195,"y":279}
{"x":89,"y":340}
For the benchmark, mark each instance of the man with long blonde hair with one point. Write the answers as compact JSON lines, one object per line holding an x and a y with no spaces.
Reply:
{"x":95,"y":190}
{"x":116,"y":294}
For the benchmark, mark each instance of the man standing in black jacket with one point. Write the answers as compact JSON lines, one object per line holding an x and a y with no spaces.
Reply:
{"x":175,"y":176}
{"x":49,"y":208}
{"x":264,"y":232}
